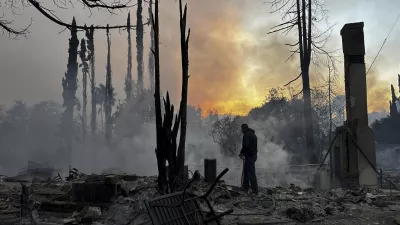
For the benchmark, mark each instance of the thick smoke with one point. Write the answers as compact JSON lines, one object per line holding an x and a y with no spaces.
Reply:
{"x":273,"y":161}
{"x":132,"y":147}
{"x":378,"y":92}
{"x":388,"y":156}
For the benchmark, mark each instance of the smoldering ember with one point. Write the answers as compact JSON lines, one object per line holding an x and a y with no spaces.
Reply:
{"x":137,"y":149}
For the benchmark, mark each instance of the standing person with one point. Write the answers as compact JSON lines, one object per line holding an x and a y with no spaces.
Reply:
{"x":249,"y":152}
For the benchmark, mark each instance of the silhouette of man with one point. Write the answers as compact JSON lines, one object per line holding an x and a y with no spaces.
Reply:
{"x":249,"y":153}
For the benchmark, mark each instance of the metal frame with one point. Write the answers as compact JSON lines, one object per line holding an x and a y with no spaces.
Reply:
{"x":180,"y":208}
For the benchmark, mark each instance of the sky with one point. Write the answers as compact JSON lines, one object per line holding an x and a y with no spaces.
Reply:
{"x":233,"y":62}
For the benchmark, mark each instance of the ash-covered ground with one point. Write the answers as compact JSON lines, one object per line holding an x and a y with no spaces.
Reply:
{"x":53,"y":202}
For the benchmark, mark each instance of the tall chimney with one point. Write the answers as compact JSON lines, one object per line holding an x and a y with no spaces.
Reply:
{"x":361,"y":144}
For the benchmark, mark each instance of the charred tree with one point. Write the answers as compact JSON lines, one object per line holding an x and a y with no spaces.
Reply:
{"x":92,"y":75}
{"x":85,"y":71}
{"x":128,"y":78}
{"x":151,"y":55}
{"x":305,"y":59}
{"x":160,"y":151}
{"x":167,"y":128}
{"x":393,"y":102}
{"x":109,"y":91}
{"x":185,"y":83}
{"x":170,"y":129}
{"x":139,"y":46}
{"x":69,"y":84}
{"x":302,"y":14}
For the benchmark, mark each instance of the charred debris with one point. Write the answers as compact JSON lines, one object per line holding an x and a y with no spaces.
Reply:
{"x":39,"y":195}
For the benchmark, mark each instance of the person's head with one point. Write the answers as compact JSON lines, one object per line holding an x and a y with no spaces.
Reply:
{"x":244,"y":127}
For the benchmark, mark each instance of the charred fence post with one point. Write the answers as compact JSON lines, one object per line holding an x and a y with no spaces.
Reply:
{"x":185,"y":174}
{"x":210,"y":170}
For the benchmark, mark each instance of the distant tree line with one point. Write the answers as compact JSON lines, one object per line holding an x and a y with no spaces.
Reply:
{"x":387,"y":130}
{"x":103,"y":96}
{"x":280,"y":120}
{"x":30,"y":133}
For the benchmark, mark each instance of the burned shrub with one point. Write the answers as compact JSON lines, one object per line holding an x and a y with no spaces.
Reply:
{"x":227,"y":134}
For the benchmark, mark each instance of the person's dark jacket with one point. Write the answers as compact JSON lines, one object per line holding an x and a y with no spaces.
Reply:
{"x":249,"y":144}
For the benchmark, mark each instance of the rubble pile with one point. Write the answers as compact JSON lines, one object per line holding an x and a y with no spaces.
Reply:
{"x":299,"y":205}
{"x":77,"y":201}
{"x":387,"y":177}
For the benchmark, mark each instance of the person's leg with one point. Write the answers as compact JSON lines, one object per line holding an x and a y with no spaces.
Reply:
{"x":252,"y":173}
{"x":246,"y":181}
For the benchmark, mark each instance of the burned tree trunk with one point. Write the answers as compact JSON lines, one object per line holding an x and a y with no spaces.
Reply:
{"x":69,"y":84}
{"x":151,"y":55}
{"x":128,"y":78}
{"x":167,"y":130}
{"x":170,"y":132}
{"x":304,"y":30}
{"x":91,"y":59}
{"x":302,"y":14}
{"x":139,"y":46}
{"x":393,"y":103}
{"x":185,"y":82}
{"x":398,"y":81}
{"x":85,"y":70}
{"x":160,"y":150}
{"x":109,"y":91}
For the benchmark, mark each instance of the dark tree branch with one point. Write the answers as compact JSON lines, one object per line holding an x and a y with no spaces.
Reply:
{"x":295,"y":95}
{"x":69,"y":26}
{"x":293,"y":45}
{"x":293,"y":80}
{"x":101,"y":4}
{"x":288,"y":27}
{"x":14,"y":5}
{"x":291,"y":55}
{"x":285,"y":23}
{"x":311,"y":43}
{"x":5,"y":25}
{"x":278,"y":8}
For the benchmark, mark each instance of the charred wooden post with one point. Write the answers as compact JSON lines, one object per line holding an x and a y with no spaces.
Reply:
{"x":210,"y":170}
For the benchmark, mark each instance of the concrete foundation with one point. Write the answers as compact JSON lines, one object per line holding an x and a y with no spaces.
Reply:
{"x":96,"y":191}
